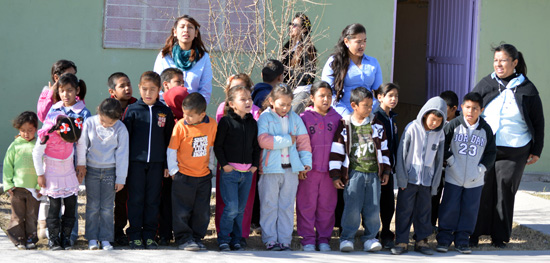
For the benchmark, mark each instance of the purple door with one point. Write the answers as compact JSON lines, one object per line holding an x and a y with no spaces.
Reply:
{"x":449,"y":55}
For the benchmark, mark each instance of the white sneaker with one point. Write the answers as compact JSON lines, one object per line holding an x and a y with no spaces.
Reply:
{"x":106,"y":245}
{"x":309,"y":248}
{"x":372,"y":245}
{"x":92,"y":245}
{"x":324,"y":247}
{"x":346,"y":246}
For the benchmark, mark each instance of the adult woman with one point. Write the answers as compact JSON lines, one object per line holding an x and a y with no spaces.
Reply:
{"x":300,"y":58}
{"x":513,"y":109}
{"x":349,"y":68}
{"x":185,"y":50}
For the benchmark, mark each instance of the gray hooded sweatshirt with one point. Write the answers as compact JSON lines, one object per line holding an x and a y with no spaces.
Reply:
{"x":420,"y":153}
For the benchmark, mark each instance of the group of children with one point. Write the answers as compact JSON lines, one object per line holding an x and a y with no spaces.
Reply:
{"x":150,"y":161}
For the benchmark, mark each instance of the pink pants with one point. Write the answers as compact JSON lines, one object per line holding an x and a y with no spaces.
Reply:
{"x":315,"y":203}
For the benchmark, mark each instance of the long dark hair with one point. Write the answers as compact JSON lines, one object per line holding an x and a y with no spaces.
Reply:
{"x":172,"y":40}
{"x":305,"y":51}
{"x":71,"y":79}
{"x":521,"y":67}
{"x":60,"y":66}
{"x":341,"y":57}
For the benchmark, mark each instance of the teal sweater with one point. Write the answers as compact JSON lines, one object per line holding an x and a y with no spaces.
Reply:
{"x":18,"y":165}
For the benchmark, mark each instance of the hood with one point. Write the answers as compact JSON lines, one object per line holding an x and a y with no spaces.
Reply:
{"x":261,"y":86}
{"x":435,"y":103}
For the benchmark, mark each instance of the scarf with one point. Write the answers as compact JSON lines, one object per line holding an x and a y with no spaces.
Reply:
{"x":181,"y":58}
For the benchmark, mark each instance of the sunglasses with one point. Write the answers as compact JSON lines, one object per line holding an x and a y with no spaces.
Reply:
{"x":294,"y":25}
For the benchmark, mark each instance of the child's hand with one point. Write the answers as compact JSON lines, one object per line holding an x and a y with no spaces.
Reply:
{"x":385,"y":179}
{"x":402,"y":188}
{"x":166,"y":175}
{"x":302,"y":175}
{"x":41,"y":181}
{"x":253,"y":169}
{"x":293,"y":139}
{"x":338,"y":184}
{"x":228,"y":168}
{"x":307,"y":168}
{"x":80,"y":171}
{"x":10,"y":191}
{"x":118,"y":187}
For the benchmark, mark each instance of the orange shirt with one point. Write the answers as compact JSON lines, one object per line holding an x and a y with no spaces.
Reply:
{"x":193,"y":143}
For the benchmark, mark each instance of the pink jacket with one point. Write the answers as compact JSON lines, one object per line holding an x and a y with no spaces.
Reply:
{"x":219,"y":113}
{"x":55,"y":146}
{"x":321,"y":130}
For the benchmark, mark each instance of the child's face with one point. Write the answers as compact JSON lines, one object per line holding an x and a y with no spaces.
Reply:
{"x":242,"y":103}
{"x":177,"y":80}
{"x":123,"y":89}
{"x":68,"y":94}
{"x":471,"y":111}
{"x":27,"y":131}
{"x":282,"y":105}
{"x":322,"y":100}
{"x":363,"y":109}
{"x":432,"y":122}
{"x":389,"y":101}
{"x":192,"y":117}
{"x":451,"y":112}
{"x":106,"y":122}
{"x":149,"y":92}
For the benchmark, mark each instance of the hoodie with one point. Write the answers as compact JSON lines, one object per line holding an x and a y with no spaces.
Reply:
{"x":321,"y":130}
{"x":260,"y":92}
{"x":420,"y":153}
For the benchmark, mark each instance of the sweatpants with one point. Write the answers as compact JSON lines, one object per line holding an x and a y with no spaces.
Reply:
{"x":414,"y":206}
{"x":496,"y":211}
{"x":190,"y":207}
{"x":165,"y":215}
{"x":24,"y":217}
{"x":315,"y":203}
{"x":277,"y":194}
{"x":458,"y":214}
{"x":144,"y":183}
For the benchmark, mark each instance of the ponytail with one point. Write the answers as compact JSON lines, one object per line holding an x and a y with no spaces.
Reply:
{"x":521,"y":67}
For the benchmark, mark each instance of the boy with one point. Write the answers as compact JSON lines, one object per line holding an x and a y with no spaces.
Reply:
{"x":470,"y":150}
{"x":360,"y":141}
{"x":170,"y":77}
{"x":418,"y":171}
{"x":120,"y":89}
{"x":190,"y":160}
{"x":174,"y":92}
{"x":272,"y":74}
{"x":149,"y":125}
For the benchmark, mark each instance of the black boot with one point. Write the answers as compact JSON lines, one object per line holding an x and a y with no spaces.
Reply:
{"x":53,"y":239}
{"x":66,"y":238}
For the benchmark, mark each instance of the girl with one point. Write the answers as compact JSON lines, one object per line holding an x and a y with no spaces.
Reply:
{"x":238,"y":153}
{"x":286,"y":152}
{"x":19,"y":179}
{"x":47,"y":97}
{"x":53,"y":162}
{"x":316,"y":198}
{"x":102,"y":152}
{"x":240,"y":79}
{"x":66,"y":90}
{"x":388,"y":96}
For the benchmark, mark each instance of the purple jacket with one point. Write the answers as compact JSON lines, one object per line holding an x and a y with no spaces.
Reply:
{"x":321,"y":131}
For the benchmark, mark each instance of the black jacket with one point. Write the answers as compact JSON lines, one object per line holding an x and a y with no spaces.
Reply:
{"x":150,"y":129}
{"x":529,"y":104}
{"x":393,"y":138}
{"x":237,"y":140}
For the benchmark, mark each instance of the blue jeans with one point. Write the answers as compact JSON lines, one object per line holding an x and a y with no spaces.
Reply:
{"x":361,"y":200}
{"x":100,"y":203}
{"x":234,"y":189}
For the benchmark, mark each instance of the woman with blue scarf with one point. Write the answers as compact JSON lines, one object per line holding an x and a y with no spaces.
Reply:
{"x":185,"y":50}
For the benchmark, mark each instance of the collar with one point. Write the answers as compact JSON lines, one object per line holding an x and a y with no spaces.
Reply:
{"x":364,"y":122}
{"x":204,"y":120}
{"x":512,"y":84}
{"x":471,"y":127}
{"x":76,"y":108}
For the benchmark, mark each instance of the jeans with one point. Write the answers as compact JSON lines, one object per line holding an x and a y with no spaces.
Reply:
{"x":234,"y":187}
{"x":100,"y":201}
{"x":361,"y":201}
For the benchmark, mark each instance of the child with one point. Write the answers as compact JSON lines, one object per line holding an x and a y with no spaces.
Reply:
{"x":286,"y":152}
{"x":66,"y":90}
{"x":19,"y":179}
{"x":470,"y":150}
{"x":174,"y":91}
{"x":102,"y":151}
{"x":418,"y":171}
{"x":120,"y":88}
{"x":189,"y":158}
{"x":360,"y":144}
{"x":54,"y":165}
{"x":388,"y":96}
{"x":240,"y":79}
{"x":47,"y":97}
{"x":238,"y":153}
{"x":316,"y":197}
{"x":272,"y":75}
{"x":149,"y":125}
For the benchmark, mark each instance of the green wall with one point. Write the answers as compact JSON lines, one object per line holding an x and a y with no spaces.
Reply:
{"x":34,"y":34}
{"x":525,"y":25}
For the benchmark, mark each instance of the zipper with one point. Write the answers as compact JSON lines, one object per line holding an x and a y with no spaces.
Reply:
{"x":150,"y":130}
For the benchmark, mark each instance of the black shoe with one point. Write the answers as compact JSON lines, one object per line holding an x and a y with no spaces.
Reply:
{"x":54,"y":244}
{"x":422,"y":247}
{"x":201,"y":245}
{"x":463,"y":249}
{"x":151,"y":244}
{"x":224,"y":247}
{"x":237,"y":247}
{"x":243,"y":243}
{"x":399,"y":249}
{"x":136,"y":244}
{"x":122,"y":240}
{"x":388,"y":243}
{"x":66,"y":243}
{"x":164,"y":241}
{"x":498,"y":244}
{"x":474,"y":241}
{"x":442,"y":248}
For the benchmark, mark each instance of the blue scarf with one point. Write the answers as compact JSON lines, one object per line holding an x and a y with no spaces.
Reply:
{"x":181,"y":58}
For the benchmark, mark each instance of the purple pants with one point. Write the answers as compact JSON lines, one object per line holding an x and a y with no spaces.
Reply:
{"x":315,"y":204}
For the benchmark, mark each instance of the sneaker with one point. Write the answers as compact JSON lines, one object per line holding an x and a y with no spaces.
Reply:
{"x":190,"y":245}
{"x":372,"y":245}
{"x":346,"y":246}
{"x":237,"y":247}
{"x":423,"y":247}
{"x":151,"y":244}
{"x":498,"y":244}
{"x":388,"y":243}
{"x":273,"y":246}
{"x":21,"y":247}
{"x":92,"y":245}
{"x":224,"y":247}
{"x":285,"y":247}
{"x":164,"y":241}
{"x":54,"y":244}
{"x":463,"y":249}
{"x":244,"y":244}
{"x":201,"y":245}
{"x":442,"y":248}
{"x":106,"y":245}
{"x":67,"y":244}
{"x":122,"y":240}
{"x":136,"y":244}
{"x":309,"y":248}
{"x":324,"y":247}
{"x":399,"y":249}
{"x":30,"y":245}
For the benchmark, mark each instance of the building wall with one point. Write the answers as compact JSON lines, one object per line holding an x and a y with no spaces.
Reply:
{"x":523,"y":24}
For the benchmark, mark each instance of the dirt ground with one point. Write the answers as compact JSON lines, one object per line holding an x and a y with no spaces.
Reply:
{"x":523,"y":238}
